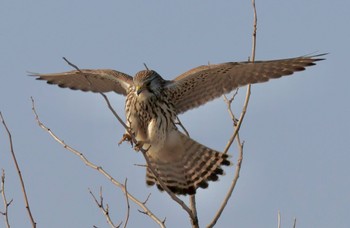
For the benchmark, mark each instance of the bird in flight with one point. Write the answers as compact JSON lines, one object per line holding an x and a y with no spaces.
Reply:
{"x":153,"y":104}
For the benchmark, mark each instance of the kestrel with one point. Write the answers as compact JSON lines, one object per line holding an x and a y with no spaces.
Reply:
{"x":153,"y":104}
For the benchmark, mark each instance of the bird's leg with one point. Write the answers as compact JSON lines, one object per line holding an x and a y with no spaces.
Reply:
{"x":138,"y":146}
{"x":127,"y":138}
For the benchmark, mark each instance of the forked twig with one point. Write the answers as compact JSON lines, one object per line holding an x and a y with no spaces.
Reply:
{"x":143,"y":206}
{"x":104,"y":209}
{"x":6,"y":204}
{"x":19,"y":172}
{"x":238,"y":122}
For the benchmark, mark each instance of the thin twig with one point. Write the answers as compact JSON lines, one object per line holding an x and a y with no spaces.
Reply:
{"x":194,"y":210}
{"x":194,"y":219}
{"x":127,"y":204}
{"x":149,"y":195}
{"x":255,"y":24}
{"x":278,"y":219}
{"x":146,"y":210}
{"x":178,"y":121}
{"x":295,"y":223}
{"x":71,"y":64}
{"x":19,"y":173}
{"x":6,"y":204}
{"x":145,"y":66}
{"x":105,"y":210}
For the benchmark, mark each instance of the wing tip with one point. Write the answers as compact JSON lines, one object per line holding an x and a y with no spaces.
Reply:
{"x":317,"y":57}
{"x":33,"y":74}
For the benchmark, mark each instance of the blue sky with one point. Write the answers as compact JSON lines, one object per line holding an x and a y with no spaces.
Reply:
{"x":296,"y":130}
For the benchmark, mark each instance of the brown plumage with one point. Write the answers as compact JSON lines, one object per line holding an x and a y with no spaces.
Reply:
{"x":152,"y":105}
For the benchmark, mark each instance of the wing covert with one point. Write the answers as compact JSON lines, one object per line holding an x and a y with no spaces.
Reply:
{"x":205,"y":83}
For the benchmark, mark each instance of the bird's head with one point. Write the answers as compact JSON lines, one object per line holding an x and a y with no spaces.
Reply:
{"x":147,"y":82}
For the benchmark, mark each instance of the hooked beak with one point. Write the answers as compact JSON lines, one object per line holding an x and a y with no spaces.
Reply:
{"x":139,"y":89}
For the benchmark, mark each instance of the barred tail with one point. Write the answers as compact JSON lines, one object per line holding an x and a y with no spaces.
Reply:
{"x":193,"y":169}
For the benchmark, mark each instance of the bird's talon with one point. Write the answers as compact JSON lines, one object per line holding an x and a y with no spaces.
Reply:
{"x":126,"y":138}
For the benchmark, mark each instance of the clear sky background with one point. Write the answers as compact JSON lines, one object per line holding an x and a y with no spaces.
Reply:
{"x":296,"y":130}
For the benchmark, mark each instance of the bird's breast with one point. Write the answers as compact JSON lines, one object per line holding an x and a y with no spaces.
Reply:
{"x":151,"y":120}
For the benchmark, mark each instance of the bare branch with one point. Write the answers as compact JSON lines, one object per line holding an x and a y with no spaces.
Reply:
{"x":6,"y":204}
{"x":98,"y":168}
{"x":229,"y":107}
{"x":19,"y":172}
{"x":240,"y":120}
{"x":105,"y":210}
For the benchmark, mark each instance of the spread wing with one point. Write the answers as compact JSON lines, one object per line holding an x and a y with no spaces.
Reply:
{"x":102,"y":80}
{"x":205,"y":83}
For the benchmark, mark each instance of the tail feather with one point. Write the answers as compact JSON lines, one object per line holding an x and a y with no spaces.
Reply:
{"x":192,"y":169}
